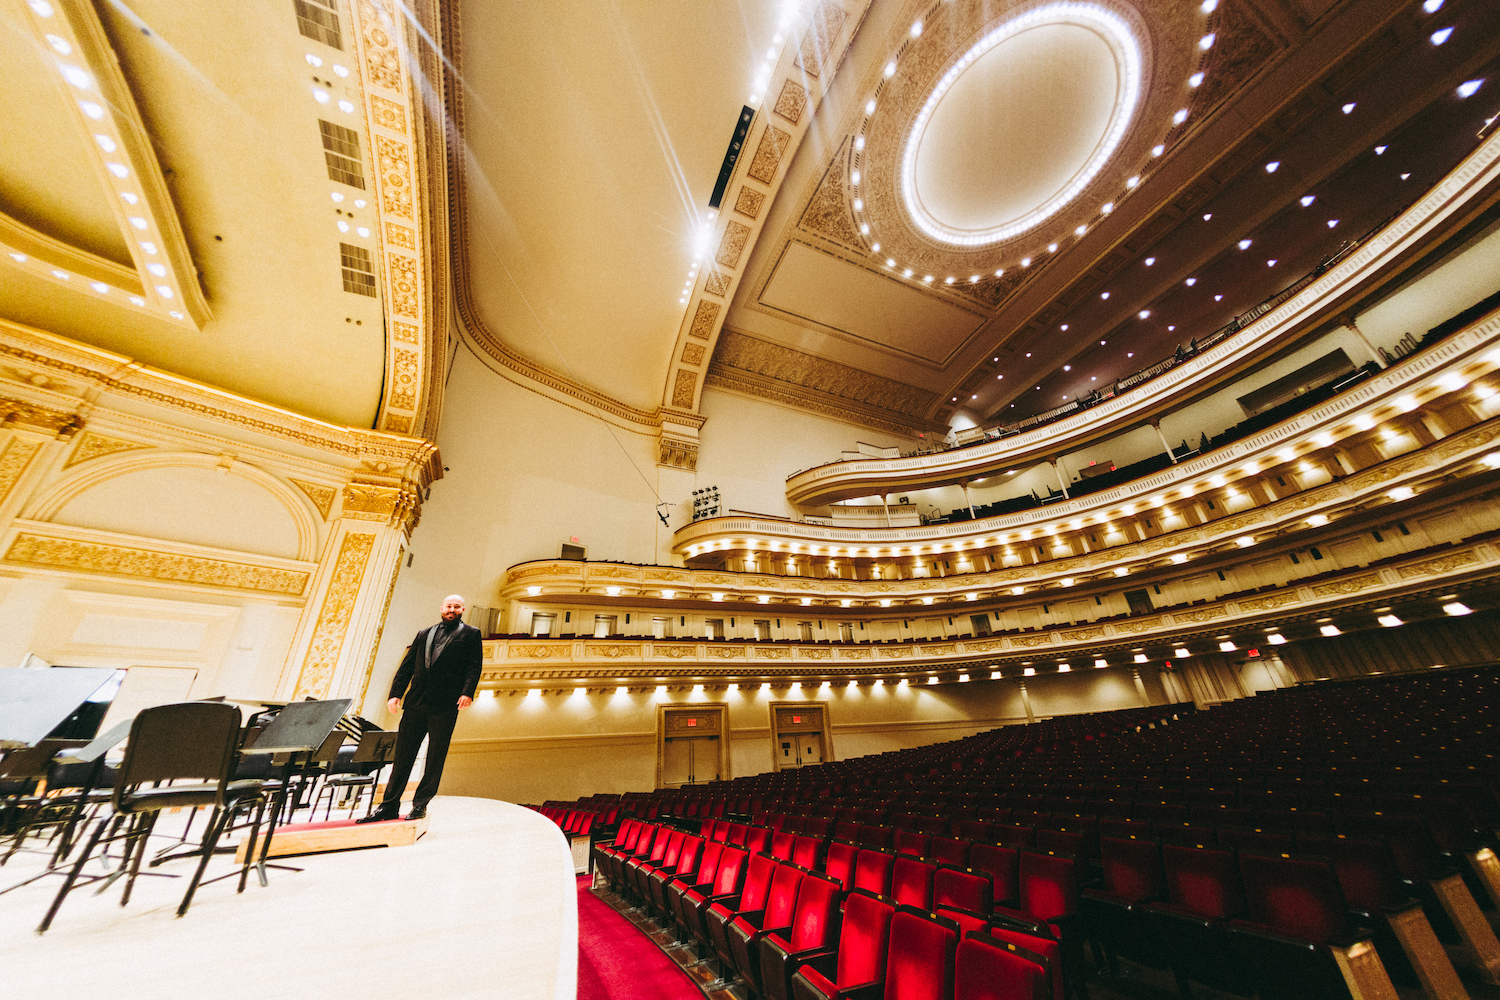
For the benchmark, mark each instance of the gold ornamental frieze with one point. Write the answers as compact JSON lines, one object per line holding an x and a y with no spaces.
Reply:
{"x":118,"y":560}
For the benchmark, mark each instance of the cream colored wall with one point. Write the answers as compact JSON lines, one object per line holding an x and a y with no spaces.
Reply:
{"x":749,"y":446}
{"x":525,"y":473}
{"x":562,"y":744}
{"x":1465,"y":277}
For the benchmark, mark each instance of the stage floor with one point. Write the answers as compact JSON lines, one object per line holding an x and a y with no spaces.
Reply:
{"x":483,"y":906}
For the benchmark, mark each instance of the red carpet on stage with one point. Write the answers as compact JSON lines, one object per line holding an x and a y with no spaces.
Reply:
{"x":617,"y":962}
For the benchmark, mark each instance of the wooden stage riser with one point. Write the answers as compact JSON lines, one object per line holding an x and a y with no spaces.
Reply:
{"x":290,"y":840}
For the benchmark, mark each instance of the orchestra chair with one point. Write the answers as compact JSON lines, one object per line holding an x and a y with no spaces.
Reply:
{"x":192,"y":742}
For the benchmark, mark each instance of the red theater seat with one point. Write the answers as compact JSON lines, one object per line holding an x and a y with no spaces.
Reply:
{"x":814,"y":928}
{"x":808,"y":852}
{"x":1133,"y":875}
{"x":1003,"y":865}
{"x":986,"y":968}
{"x":911,"y":882}
{"x":743,"y":934}
{"x":872,"y":871}
{"x":751,"y":899}
{"x":1203,"y":891}
{"x":1294,"y":909}
{"x":859,"y":962}
{"x":912,"y":843}
{"x":950,"y":851}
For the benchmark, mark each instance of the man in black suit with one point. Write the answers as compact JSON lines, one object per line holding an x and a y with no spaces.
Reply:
{"x":437,"y":678}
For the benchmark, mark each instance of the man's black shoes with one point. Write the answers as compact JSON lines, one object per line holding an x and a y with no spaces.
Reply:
{"x":381,"y":815}
{"x":417,"y":812}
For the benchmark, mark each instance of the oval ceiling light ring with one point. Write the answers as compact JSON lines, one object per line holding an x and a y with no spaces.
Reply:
{"x":1081,"y":32}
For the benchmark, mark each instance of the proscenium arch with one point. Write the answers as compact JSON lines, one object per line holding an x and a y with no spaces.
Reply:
{"x":93,"y":473}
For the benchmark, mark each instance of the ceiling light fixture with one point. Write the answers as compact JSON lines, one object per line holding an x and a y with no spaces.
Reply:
{"x":1115,"y":32}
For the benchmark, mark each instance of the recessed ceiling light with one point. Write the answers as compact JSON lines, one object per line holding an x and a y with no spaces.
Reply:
{"x":1207,"y":216}
{"x":1191,"y":282}
{"x":1104,"y":295}
{"x":1067,"y":368}
{"x":1144,"y":314}
{"x":1218,"y":298}
{"x":1432,"y":6}
{"x":1169,"y":330}
{"x":1307,"y":200}
{"x":1081,"y":230}
{"x":1107,"y":207}
{"x":1063,"y":327}
{"x":1180,"y":117}
{"x":1025,"y":261}
{"x":1052,"y":248}
{"x":1348,"y":108}
{"x":1468,"y":88}
{"x":1380,"y":150}
{"x":1244,"y":244}
{"x":1330,"y":630}
{"x":1195,"y":79}
{"x":1456,"y":608}
{"x":1206,"y":42}
{"x":1440,"y":36}
{"x":1390,"y":621}
{"x":1158,"y":149}
{"x":1271,"y":262}
{"x":1131,"y":182}
{"x":1273,"y":166}
{"x":916,"y":29}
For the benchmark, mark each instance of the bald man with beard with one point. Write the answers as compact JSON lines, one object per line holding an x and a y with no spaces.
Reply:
{"x":436,"y":680}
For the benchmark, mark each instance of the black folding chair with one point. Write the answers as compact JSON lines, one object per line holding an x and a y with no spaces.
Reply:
{"x":359,"y":771}
{"x":188,"y":741}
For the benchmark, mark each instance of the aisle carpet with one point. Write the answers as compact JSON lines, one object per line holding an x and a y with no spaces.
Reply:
{"x":617,"y":962}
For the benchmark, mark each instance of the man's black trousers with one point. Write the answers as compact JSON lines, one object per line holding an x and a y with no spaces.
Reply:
{"x":418,"y":721}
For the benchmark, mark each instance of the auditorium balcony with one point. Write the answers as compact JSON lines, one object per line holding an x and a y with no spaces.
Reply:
{"x":1306,"y":310}
{"x":1329,"y":456}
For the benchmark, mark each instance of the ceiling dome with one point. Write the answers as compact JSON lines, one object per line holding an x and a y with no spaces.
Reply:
{"x":1020,"y":124}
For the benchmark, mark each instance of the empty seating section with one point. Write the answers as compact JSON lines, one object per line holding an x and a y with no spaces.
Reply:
{"x":1251,"y":848}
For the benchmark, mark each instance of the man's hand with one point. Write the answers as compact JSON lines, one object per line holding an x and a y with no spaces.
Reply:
{"x":394,"y":705}
{"x":464,"y":701}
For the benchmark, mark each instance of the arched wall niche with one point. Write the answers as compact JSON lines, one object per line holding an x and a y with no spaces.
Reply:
{"x":182,"y":497}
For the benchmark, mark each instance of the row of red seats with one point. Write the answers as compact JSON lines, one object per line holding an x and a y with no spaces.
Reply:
{"x":575,"y":822}
{"x":780,"y":928}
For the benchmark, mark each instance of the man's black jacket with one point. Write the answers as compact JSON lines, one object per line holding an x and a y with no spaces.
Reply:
{"x":455,"y":672}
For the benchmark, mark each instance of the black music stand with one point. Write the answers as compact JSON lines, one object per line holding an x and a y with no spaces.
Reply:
{"x":36,"y":700}
{"x":93,"y":753}
{"x":298,"y":730}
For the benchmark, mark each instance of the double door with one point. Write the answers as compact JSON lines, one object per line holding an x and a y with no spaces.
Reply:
{"x":689,"y":760}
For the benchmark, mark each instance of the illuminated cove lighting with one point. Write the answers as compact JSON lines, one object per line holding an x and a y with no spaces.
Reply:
{"x":1104,"y":23}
